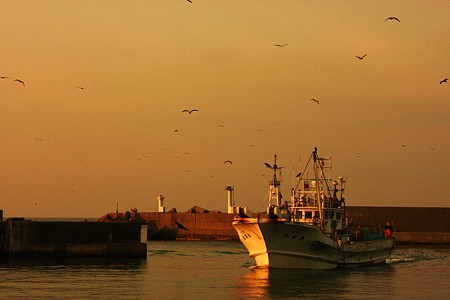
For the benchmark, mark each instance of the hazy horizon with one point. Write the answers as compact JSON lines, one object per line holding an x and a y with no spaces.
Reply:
{"x":98,"y":119}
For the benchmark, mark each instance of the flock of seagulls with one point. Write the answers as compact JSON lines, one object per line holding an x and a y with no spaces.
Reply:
{"x":445,"y":80}
{"x":220,"y":125}
{"x":190,"y":111}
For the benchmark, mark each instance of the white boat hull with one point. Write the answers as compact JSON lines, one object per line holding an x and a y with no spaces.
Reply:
{"x":293,"y":245}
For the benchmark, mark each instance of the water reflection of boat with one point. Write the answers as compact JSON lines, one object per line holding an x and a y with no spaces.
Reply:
{"x":288,"y":283}
{"x":310,"y":232}
{"x":270,"y":283}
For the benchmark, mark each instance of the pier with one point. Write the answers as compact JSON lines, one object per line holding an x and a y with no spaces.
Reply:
{"x":20,"y":238}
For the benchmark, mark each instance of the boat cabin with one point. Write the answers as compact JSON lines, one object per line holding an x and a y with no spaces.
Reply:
{"x":314,"y":201}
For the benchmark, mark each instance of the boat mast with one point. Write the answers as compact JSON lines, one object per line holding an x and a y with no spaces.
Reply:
{"x":274,"y":185}
{"x":318,"y":189}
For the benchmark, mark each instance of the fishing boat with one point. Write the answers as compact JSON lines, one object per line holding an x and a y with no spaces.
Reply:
{"x":311,"y":230}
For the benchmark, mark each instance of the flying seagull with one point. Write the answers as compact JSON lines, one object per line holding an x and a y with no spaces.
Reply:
{"x":268,"y":165}
{"x":360,"y":57}
{"x":4,"y":77}
{"x":228,"y":161}
{"x":443,"y":80}
{"x":179,"y":225}
{"x":38,"y":139}
{"x":317,"y":101}
{"x":392,"y":18}
{"x":189,"y":111}
{"x":176,"y":130}
{"x":81,"y":88}
{"x":189,"y":1}
{"x":280,"y":45}
{"x":20,"y":81}
{"x":274,"y":167}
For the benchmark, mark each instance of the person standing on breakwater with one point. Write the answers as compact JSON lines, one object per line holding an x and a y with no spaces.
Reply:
{"x":388,"y":230}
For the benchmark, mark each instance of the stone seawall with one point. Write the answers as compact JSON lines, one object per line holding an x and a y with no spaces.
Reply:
{"x":403,"y":219}
{"x":411,"y":224}
{"x":26,"y":239}
{"x":198,"y":225}
{"x":422,"y":237}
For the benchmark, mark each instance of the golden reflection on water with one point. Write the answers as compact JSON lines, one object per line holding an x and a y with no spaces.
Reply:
{"x":293,"y":283}
{"x":255,"y":283}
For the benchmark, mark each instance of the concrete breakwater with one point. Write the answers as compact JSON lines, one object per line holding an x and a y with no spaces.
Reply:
{"x":197,"y":223}
{"x":192,"y":225}
{"x":411,"y":224}
{"x":20,"y":238}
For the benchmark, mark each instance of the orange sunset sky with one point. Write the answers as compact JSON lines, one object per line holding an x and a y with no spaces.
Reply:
{"x":72,"y":152}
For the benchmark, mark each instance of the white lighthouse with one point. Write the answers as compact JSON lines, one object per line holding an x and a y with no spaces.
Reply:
{"x":230,"y":190}
{"x":160,"y":203}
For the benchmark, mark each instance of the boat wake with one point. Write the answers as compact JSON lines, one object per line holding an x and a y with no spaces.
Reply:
{"x":399,"y":260}
{"x":409,"y":256}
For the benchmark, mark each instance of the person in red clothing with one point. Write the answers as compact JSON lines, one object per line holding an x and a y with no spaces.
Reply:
{"x":388,"y":230}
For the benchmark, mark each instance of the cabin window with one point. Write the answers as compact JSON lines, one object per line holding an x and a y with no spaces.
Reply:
{"x":332,"y":215}
{"x":308,"y":214}
{"x":298,"y":214}
{"x":316,"y":215}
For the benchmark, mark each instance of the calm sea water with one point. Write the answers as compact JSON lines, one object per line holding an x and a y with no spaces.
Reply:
{"x":223,"y":270}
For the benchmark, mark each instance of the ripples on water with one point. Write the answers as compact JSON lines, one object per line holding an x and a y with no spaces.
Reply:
{"x":223,"y":270}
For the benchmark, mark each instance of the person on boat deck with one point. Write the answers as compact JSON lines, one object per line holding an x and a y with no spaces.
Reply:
{"x":284,"y":208}
{"x":388,"y":230}
{"x":339,"y":241}
{"x":272,"y":214}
